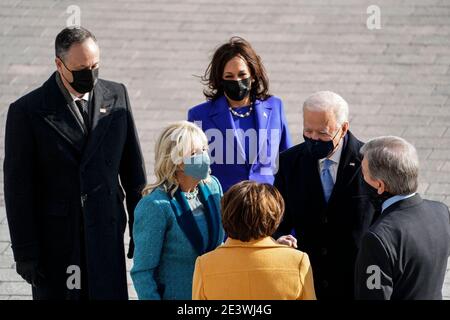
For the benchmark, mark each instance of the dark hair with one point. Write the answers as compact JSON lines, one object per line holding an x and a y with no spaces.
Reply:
{"x":251,"y":210}
{"x":236,"y":46}
{"x":68,"y":36}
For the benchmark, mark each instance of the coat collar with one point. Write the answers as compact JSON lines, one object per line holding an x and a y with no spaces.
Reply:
{"x":349,"y":167}
{"x":403,"y":204}
{"x":349,"y":164}
{"x":222,"y":117}
{"x":267,"y":242}
{"x":58,"y":115}
{"x":104,"y":100}
{"x":71,"y":103}
{"x":187,"y":222}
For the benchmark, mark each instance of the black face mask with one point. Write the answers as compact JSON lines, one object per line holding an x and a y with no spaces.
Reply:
{"x":375,"y":198}
{"x":320,"y":149}
{"x":236,"y":89}
{"x":83,"y":80}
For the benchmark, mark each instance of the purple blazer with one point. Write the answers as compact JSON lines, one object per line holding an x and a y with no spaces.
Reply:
{"x":269,"y":138}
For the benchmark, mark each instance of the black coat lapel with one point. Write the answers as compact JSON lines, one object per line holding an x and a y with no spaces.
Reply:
{"x":57,"y":114}
{"x":103,"y":102}
{"x":349,"y":165}
{"x":309,"y":173}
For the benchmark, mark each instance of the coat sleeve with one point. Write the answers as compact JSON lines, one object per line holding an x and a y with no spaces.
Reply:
{"x":132,"y":170}
{"x":190,"y":116}
{"x":218,"y":186}
{"x":19,"y":184}
{"x":306,"y":278}
{"x":373,"y":270}
{"x":149,"y":231}
{"x":198,"y":292}
{"x":194,"y":117}
{"x":286,"y":224}
{"x":285,"y":141}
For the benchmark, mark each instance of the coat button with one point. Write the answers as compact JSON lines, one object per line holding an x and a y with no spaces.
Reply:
{"x":324,"y":251}
{"x":324,"y":220}
{"x":325,"y":284}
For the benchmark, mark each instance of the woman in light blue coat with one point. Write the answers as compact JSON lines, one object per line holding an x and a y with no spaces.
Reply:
{"x":178,"y":219}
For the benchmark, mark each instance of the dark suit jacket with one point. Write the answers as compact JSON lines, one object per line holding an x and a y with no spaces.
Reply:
{"x":64,"y":201}
{"x":410,"y":244}
{"x":329,"y":233}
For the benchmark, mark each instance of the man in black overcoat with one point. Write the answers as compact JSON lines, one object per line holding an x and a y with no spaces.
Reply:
{"x":327,"y":203}
{"x":72,"y":155}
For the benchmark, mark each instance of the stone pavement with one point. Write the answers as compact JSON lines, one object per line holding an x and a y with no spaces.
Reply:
{"x":396,"y":79}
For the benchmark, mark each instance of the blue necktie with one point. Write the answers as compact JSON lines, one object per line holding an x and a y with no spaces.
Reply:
{"x":327,"y":179}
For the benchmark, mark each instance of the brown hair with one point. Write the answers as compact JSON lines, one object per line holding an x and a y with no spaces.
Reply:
{"x":251,"y":210}
{"x":236,"y":46}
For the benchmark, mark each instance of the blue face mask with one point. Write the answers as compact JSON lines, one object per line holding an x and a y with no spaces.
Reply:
{"x":197,"y":166}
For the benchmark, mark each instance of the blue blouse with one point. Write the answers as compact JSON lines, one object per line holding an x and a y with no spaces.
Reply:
{"x":245,"y":124}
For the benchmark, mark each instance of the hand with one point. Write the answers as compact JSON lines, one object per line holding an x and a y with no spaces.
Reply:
{"x":29,"y":271}
{"x":288,"y":240}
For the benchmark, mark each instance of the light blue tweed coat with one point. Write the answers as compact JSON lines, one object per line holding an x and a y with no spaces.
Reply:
{"x":164,"y":256}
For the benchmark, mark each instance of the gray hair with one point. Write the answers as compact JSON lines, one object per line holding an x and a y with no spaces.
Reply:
{"x":324,"y":101}
{"x":69,"y":36}
{"x":394,"y":161}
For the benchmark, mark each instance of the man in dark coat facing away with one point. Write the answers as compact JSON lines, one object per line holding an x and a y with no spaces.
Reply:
{"x":72,"y":153}
{"x":404,"y":254}
{"x":327,"y":202}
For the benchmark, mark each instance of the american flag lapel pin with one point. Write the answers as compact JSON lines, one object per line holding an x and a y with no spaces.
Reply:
{"x":102,"y":110}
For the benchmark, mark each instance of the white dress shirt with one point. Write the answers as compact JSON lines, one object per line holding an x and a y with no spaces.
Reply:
{"x":84,"y":97}
{"x":336,"y":158}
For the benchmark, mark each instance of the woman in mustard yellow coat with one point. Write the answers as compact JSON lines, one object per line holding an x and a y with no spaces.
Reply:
{"x":251,"y":265}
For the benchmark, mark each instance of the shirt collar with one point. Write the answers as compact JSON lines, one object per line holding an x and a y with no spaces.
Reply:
{"x":84,"y":97}
{"x":389,"y":202}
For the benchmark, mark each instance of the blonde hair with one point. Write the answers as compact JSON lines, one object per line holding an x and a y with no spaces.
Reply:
{"x":176,"y":141}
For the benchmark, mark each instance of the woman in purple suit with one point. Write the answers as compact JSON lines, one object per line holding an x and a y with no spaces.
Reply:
{"x":245,"y":125}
